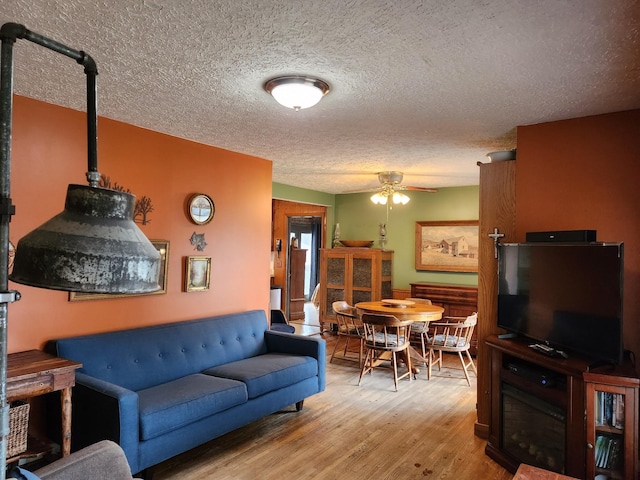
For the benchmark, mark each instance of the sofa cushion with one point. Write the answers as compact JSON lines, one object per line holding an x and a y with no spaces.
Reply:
{"x":266,"y":373}
{"x":177,"y":403}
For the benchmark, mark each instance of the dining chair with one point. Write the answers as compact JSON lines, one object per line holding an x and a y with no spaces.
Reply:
{"x":384,"y":336}
{"x":420,"y":330}
{"x":452,"y":334}
{"x":349,"y":327}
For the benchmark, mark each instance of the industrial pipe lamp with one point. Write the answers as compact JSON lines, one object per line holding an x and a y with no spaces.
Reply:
{"x":92,"y":246}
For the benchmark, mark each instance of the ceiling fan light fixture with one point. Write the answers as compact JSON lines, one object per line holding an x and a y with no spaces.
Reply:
{"x":379,"y":198}
{"x":297,"y":91}
{"x":399,"y":197}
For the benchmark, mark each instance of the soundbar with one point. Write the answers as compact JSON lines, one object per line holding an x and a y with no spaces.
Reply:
{"x":562,"y":236}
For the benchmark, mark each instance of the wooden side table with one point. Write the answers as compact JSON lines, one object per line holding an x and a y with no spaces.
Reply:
{"x":33,"y":373}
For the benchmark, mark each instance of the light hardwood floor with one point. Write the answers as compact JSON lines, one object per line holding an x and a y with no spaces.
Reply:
{"x":425,"y":430}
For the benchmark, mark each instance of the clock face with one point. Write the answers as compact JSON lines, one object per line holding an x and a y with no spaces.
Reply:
{"x":201,"y":209}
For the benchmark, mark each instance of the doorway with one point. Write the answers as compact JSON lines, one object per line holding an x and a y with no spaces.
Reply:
{"x":282,"y":211}
{"x":304,"y":234}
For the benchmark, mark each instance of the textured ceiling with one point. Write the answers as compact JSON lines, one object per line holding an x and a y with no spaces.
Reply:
{"x":424,"y":87}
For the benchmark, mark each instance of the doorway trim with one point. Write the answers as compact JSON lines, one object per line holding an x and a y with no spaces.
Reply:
{"x":281,"y":211}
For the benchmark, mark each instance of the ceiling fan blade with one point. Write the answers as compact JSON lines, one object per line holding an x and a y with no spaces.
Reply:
{"x":363,"y":190}
{"x":421,"y":189}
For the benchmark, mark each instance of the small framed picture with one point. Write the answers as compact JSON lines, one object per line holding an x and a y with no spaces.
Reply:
{"x":197,"y":274}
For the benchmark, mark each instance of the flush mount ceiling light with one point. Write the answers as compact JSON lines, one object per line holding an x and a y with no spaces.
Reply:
{"x":297,"y":91}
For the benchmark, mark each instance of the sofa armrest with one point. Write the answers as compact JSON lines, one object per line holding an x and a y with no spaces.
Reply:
{"x":104,"y":459}
{"x":103,"y":410}
{"x":315,"y":347}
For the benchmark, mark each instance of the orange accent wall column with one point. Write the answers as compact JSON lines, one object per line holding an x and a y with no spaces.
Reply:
{"x":583,"y":174}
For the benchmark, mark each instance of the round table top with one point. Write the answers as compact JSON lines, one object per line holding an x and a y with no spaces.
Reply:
{"x":416,"y":312}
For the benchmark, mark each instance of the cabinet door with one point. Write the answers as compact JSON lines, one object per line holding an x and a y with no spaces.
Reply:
{"x":611,"y":431}
{"x":363,"y":274}
{"x":335,"y":281}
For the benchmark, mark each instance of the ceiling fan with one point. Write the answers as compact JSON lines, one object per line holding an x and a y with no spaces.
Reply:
{"x":391,"y":188}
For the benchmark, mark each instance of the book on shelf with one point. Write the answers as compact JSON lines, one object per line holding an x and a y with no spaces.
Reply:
{"x":609,"y":409}
{"x":618,"y":411}
{"x":607,"y":452}
{"x":598,"y":452}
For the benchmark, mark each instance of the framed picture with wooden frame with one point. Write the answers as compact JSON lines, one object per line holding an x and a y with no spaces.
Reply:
{"x":197,"y":274}
{"x":163,"y":248}
{"x":447,"y":246}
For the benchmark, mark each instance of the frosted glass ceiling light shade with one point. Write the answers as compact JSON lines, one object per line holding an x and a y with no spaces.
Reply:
{"x":382,"y":197}
{"x":297,"y":92}
{"x":379,"y":198}
{"x":400,"y":198}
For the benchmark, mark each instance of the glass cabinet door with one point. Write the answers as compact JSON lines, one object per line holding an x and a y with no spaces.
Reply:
{"x":611,"y":427}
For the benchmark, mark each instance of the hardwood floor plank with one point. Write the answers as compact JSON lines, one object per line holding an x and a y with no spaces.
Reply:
{"x":360,"y":433}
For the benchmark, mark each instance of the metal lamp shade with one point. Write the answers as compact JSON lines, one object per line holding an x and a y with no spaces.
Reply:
{"x":93,"y":246}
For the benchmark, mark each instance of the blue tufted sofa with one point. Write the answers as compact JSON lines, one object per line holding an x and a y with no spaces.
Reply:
{"x":159,"y":391}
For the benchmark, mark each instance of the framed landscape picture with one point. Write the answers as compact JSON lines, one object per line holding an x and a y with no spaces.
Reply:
{"x":163,"y":247}
{"x":447,"y":246}
{"x":197,"y":274}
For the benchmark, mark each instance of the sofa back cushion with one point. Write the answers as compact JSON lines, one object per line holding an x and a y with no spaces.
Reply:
{"x":143,"y":357}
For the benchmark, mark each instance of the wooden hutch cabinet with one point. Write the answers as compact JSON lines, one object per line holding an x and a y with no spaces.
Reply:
{"x":355,"y":275}
{"x":612,"y":425}
{"x":457,"y":301}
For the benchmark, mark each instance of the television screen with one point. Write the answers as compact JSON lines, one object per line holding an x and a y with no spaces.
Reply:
{"x":567,"y":295}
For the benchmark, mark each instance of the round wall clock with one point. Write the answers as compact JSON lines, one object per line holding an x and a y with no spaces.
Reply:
{"x":201,"y":209}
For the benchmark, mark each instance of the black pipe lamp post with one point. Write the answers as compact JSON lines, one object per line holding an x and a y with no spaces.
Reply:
{"x":92,"y":246}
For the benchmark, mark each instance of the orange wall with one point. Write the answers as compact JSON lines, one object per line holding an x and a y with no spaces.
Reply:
{"x":49,"y":152}
{"x":584,"y":173}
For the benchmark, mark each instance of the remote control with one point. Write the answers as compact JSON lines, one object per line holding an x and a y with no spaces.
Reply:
{"x":547,"y":350}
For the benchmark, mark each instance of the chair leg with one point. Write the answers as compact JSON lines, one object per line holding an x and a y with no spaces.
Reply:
{"x":434,"y":359}
{"x":409,"y":367}
{"x":472,"y":363}
{"x":394,"y":361}
{"x":464,"y":368}
{"x":424,"y":349}
{"x":365,"y":369}
{"x":346,"y":346}
{"x":335,"y":347}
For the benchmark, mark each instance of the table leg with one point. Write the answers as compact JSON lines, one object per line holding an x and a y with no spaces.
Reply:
{"x":65,"y":397}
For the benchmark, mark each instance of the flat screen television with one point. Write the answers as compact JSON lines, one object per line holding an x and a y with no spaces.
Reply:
{"x":566,"y":295}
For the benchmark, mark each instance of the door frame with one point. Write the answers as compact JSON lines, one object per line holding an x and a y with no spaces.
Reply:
{"x":281,"y":211}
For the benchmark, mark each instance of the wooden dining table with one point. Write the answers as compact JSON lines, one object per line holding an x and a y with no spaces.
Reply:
{"x":418,"y":312}
{"x":404,"y":310}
